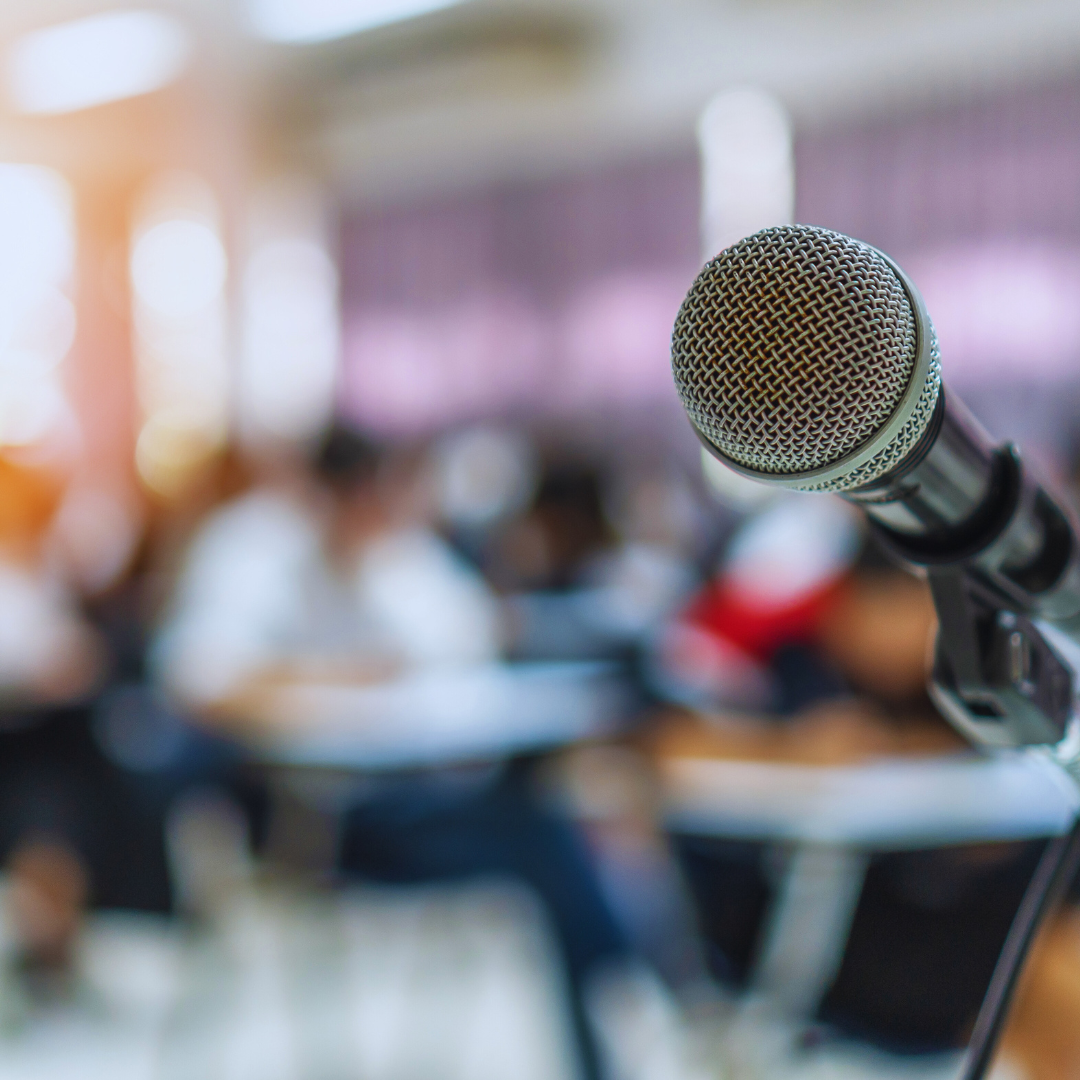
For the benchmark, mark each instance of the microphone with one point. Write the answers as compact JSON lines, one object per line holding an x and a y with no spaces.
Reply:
{"x":807,"y":360}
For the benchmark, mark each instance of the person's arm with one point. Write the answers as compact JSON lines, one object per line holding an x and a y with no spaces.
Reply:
{"x":48,"y":652}
{"x":235,"y":599}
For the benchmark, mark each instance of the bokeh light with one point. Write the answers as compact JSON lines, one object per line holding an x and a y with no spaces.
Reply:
{"x":320,"y":20}
{"x":37,"y":319}
{"x":94,"y":60}
{"x":178,"y":273}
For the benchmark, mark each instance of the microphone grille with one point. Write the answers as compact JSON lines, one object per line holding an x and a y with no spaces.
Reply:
{"x":793,"y":348}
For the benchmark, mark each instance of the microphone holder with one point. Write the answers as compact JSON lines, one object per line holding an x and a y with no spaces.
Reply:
{"x":1001,"y":683}
{"x":995,"y":677}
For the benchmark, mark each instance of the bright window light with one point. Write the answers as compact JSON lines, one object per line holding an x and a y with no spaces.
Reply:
{"x":37,"y":319}
{"x":288,"y":363}
{"x":179,"y":270}
{"x":178,"y":267}
{"x":36,"y":240}
{"x":91,"y":61}
{"x":303,"y":21}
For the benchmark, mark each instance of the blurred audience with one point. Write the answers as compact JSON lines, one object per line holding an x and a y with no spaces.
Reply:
{"x":48,"y":652}
{"x":337,"y":575}
{"x":483,"y":477}
{"x":124,"y":693}
{"x":746,"y":639}
{"x":593,"y":566}
{"x":71,"y":827}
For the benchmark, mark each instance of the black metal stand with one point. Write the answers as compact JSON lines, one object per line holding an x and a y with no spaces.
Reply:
{"x":1000,"y":682}
{"x":1056,"y":869}
{"x":999,"y":553}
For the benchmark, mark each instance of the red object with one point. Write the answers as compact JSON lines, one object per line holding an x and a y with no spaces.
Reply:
{"x":729,"y":612}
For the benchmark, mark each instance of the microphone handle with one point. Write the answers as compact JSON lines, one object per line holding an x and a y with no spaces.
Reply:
{"x":959,"y":501}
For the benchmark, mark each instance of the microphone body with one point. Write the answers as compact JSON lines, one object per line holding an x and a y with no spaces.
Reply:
{"x":959,"y":500}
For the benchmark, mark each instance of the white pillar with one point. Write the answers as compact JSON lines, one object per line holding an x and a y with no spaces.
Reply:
{"x":747,"y":168}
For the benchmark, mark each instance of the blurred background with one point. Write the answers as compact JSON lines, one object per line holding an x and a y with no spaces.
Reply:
{"x":388,"y":687}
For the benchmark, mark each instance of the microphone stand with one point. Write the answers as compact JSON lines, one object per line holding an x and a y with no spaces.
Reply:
{"x":999,"y":680}
{"x":1055,"y":871}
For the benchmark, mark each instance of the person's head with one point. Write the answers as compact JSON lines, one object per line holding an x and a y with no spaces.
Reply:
{"x":569,"y":510}
{"x":346,"y":466}
{"x":878,"y":630}
{"x":345,"y":461}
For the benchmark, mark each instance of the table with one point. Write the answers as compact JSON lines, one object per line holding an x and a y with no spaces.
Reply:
{"x":882,"y":805}
{"x":435,"y":717}
{"x":834,"y":811}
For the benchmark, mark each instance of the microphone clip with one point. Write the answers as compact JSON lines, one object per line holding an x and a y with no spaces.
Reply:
{"x":996,"y":678}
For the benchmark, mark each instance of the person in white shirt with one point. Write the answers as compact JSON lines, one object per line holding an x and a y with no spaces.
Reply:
{"x":296,"y":579}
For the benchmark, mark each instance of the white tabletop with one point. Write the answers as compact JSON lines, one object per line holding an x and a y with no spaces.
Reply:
{"x":438,"y":717}
{"x":887,"y":804}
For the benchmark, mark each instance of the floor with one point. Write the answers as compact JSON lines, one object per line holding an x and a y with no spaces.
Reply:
{"x":439,"y":984}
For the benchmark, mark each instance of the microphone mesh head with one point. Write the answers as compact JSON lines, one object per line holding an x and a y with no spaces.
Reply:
{"x":793,"y":348}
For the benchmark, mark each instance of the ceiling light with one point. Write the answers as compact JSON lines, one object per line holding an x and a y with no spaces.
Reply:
{"x":91,"y":61}
{"x":301,"y":21}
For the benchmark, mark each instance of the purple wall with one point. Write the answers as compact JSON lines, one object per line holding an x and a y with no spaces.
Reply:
{"x":980,"y":202}
{"x":554,"y":299}
{"x":1005,"y":165}
{"x":548,"y":298}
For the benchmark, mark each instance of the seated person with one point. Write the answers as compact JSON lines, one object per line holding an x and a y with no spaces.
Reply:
{"x":59,"y":793}
{"x":333,"y":574}
{"x":837,"y":676}
{"x":337,"y":575}
{"x":588,"y":575}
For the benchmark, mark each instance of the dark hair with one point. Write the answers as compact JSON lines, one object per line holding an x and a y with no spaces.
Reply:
{"x":345,"y":459}
{"x":569,"y":503}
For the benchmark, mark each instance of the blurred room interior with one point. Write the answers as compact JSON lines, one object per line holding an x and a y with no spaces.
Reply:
{"x":389,"y":688}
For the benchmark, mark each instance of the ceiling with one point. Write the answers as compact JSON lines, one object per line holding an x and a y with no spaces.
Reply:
{"x":496,"y":88}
